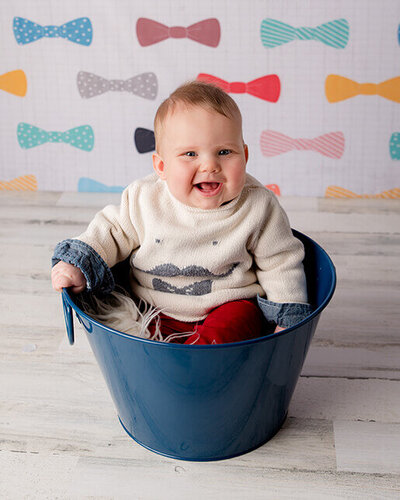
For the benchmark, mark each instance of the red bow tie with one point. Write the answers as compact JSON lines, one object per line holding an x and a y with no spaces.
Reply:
{"x":207,"y":32}
{"x":274,"y":143}
{"x":267,"y":87}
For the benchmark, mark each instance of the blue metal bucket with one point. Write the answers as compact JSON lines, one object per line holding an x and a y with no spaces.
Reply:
{"x":206,"y":402}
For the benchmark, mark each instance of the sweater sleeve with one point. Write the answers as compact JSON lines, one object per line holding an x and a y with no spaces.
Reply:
{"x":110,"y":238}
{"x":280,"y":272}
{"x":279,"y":258}
{"x":112,"y":233}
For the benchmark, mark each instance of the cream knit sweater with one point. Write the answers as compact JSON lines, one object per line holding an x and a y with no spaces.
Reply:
{"x":187,"y":261}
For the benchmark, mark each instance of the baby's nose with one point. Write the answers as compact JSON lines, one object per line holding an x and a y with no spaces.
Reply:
{"x":210,"y":165}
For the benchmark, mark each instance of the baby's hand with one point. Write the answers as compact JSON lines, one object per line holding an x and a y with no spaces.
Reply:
{"x":65,"y":275}
{"x":278,"y":329}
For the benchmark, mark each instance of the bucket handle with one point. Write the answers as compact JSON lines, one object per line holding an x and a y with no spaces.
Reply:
{"x":68,"y":317}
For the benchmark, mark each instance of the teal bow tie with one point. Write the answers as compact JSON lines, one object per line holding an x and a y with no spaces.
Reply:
{"x":394,"y":146}
{"x":30,"y":136}
{"x":334,"y":33}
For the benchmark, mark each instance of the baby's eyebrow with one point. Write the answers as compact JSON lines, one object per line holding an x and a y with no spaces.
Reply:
{"x":184,"y":148}
{"x":223,"y":145}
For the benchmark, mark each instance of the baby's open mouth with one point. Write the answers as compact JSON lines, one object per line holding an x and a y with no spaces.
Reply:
{"x":208,"y":187}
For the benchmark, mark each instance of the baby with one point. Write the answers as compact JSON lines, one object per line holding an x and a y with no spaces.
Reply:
{"x":208,"y":245}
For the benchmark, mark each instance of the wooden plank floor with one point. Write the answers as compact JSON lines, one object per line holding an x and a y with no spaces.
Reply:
{"x":60,"y":437}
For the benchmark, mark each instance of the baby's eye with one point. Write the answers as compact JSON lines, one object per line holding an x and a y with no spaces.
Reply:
{"x":224,"y":152}
{"x":190,"y":153}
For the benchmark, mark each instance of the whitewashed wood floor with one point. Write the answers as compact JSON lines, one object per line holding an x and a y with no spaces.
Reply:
{"x":60,"y":437}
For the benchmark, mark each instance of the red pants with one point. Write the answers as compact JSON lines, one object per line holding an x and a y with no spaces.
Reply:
{"x":230,"y":322}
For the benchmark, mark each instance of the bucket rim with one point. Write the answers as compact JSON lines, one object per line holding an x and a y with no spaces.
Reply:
{"x":68,"y":297}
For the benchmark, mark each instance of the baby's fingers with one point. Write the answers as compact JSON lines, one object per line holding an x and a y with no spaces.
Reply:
{"x":61,"y":281}
{"x":79,"y":288}
{"x":64,"y":275}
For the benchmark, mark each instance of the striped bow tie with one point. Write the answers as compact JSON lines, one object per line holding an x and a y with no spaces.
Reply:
{"x":77,"y":31}
{"x":144,"y":140}
{"x":267,"y":87}
{"x":335,"y":33}
{"x":394,"y":146}
{"x":30,"y":136}
{"x":339,"y":88}
{"x":91,"y":85}
{"x":339,"y":192}
{"x":87,"y":185}
{"x":14,"y":82}
{"x":207,"y":32}
{"x":22,"y":183}
{"x":274,"y":143}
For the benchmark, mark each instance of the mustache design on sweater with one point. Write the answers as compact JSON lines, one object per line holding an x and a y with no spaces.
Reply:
{"x":171,"y":270}
{"x":198,"y":288}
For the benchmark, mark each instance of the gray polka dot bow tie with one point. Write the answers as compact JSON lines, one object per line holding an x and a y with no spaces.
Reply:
{"x":91,"y":85}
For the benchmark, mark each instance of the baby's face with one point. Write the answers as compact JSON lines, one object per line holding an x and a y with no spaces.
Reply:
{"x":201,"y":156}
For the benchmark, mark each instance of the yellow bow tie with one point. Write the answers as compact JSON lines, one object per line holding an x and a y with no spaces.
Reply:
{"x":14,"y":82}
{"x":339,"y":88}
{"x":22,"y":183}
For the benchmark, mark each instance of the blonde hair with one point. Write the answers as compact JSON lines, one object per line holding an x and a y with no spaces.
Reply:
{"x":196,"y":93}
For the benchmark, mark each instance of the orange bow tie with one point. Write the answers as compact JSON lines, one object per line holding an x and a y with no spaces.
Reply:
{"x":339,"y":192}
{"x":339,"y":88}
{"x":22,"y":183}
{"x":14,"y":82}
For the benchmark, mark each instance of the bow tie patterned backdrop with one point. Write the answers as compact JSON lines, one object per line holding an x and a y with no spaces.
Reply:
{"x":318,"y":84}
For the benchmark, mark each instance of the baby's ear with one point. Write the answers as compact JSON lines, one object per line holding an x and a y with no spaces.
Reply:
{"x":246,"y":152}
{"x":158,"y":165}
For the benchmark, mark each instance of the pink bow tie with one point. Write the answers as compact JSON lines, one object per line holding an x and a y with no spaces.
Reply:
{"x":274,"y":143}
{"x":207,"y":32}
{"x":267,"y":87}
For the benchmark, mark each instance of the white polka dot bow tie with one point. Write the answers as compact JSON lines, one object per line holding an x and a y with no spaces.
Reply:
{"x":30,"y":136}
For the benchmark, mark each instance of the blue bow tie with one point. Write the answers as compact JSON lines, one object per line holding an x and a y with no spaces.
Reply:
{"x":77,"y":31}
{"x":334,"y":33}
{"x":87,"y":185}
